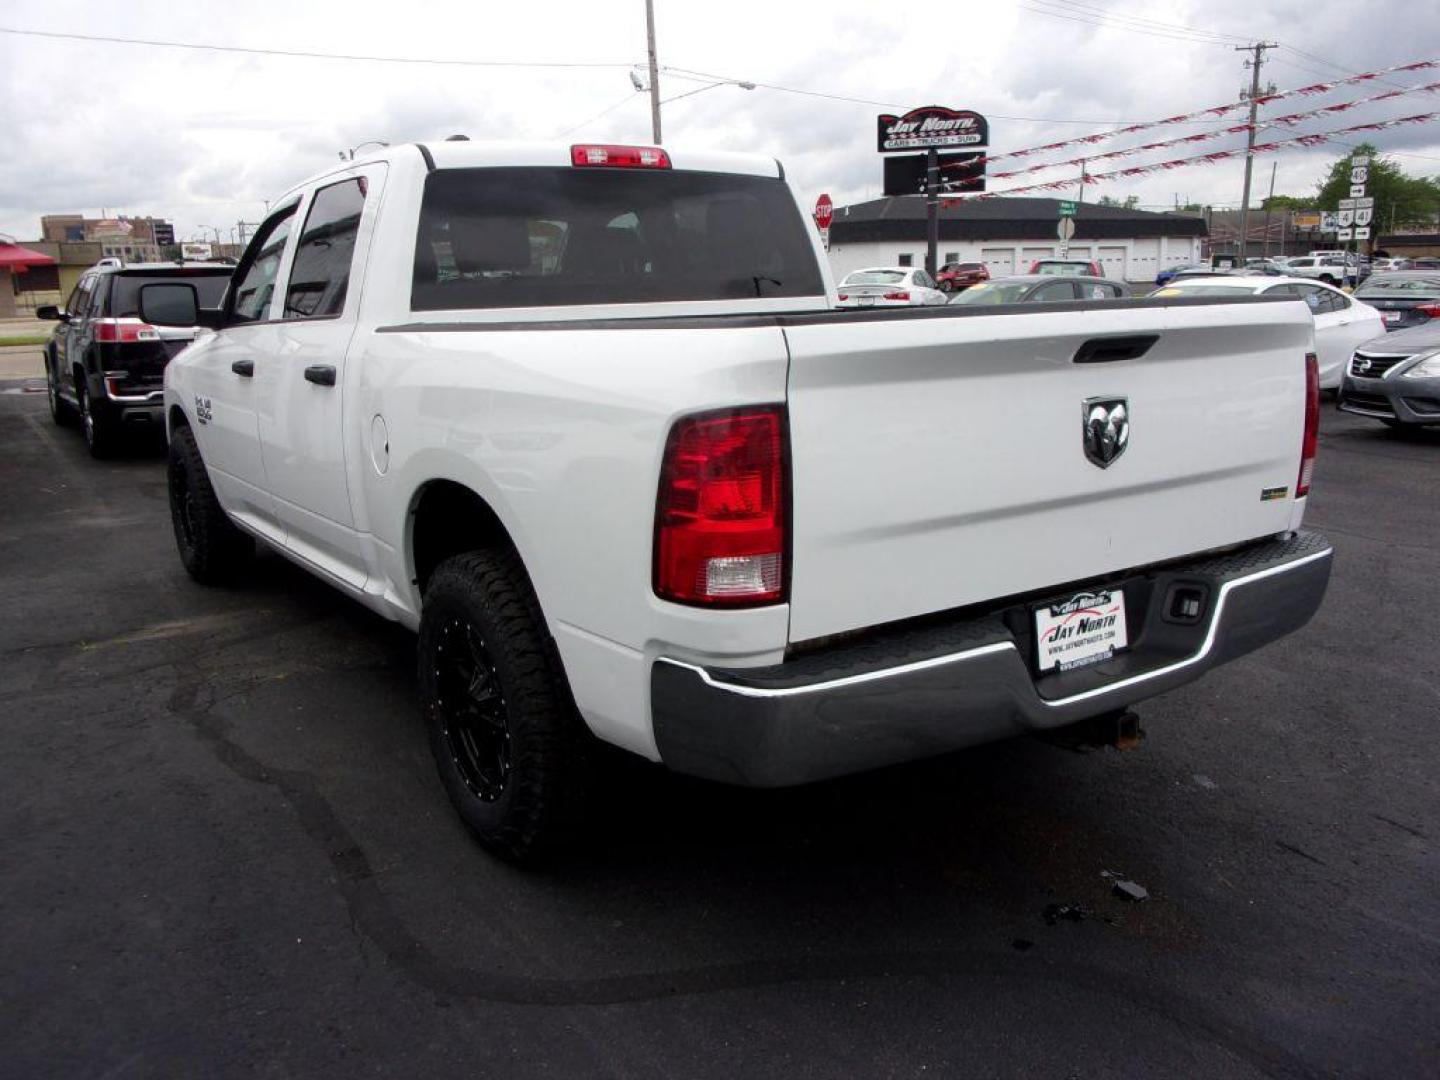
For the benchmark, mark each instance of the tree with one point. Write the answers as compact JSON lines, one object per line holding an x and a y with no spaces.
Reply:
{"x":1131,"y":201}
{"x":1289,"y":202}
{"x":1401,"y":201}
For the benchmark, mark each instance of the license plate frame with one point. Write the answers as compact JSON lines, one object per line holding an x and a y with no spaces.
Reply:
{"x":1079,"y":630}
{"x":1392,"y":316}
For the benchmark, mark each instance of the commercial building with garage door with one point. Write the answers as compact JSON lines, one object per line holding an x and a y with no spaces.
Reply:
{"x":1007,"y":235}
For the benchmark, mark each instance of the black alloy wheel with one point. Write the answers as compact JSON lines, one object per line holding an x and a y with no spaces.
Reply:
{"x":97,"y":432}
{"x":474,"y":720}
{"x":508,"y":742}
{"x":211,"y":547}
{"x":59,"y":411}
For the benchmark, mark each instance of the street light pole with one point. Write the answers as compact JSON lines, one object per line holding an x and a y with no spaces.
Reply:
{"x":654,"y":71}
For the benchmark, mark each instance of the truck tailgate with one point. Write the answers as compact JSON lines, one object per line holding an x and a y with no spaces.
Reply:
{"x":940,"y":461}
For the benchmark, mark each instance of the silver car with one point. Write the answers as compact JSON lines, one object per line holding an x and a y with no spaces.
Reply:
{"x":1396,"y":378}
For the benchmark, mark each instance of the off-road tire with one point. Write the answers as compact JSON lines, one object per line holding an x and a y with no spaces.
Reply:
{"x":535,"y":803}
{"x":212,"y":548}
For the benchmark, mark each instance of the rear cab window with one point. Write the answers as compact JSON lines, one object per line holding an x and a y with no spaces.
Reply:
{"x":504,"y":237}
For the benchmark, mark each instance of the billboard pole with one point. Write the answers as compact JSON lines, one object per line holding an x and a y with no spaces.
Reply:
{"x":932,"y":210}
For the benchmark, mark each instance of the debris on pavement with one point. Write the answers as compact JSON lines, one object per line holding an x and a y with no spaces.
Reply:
{"x":1130,"y":891}
{"x":1068,"y":912}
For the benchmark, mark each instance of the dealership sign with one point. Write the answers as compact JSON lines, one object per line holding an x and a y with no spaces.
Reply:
{"x":931,"y":127}
{"x":958,"y":174}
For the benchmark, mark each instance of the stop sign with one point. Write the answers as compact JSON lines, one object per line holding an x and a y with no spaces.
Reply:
{"x":824,"y":211}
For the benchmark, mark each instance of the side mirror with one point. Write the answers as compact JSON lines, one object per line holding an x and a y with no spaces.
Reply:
{"x":51,"y":312}
{"x":174,"y":303}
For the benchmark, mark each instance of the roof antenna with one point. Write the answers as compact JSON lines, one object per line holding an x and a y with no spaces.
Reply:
{"x":458,"y":138}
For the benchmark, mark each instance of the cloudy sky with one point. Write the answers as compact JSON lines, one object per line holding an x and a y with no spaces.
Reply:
{"x":205,"y":136}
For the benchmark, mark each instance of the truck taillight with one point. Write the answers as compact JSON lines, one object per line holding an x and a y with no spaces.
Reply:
{"x":1311,"y":441}
{"x":619,"y":157}
{"x":124,"y":330}
{"x":722,"y":514}
{"x":899,"y":294}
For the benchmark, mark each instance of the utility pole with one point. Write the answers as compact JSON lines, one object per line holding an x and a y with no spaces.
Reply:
{"x":932,"y":211}
{"x":654,"y":71}
{"x":1266,"y":251}
{"x":1259,"y":50}
{"x":1080,"y":194}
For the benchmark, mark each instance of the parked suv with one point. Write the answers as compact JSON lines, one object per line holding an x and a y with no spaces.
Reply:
{"x":952,"y":277}
{"x":1083,"y":267}
{"x":107,"y":366}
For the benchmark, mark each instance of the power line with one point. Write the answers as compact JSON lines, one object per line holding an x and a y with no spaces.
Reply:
{"x":1287,"y":120}
{"x":1274,"y":146}
{"x":1202,"y":38}
{"x":1140,"y":20}
{"x":1220,"y":110}
{"x":300,"y":54}
{"x":702,"y":76}
{"x":602,"y":113}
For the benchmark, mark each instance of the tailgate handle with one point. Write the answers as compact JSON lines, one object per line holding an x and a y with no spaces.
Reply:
{"x":1107,"y":349}
{"x":244,"y":367}
{"x":320,"y":374}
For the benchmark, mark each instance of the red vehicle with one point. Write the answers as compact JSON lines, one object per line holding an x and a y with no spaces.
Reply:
{"x":952,"y":277}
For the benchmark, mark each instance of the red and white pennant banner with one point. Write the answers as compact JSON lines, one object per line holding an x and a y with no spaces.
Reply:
{"x":1203,"y":159}
{"x":1220,"y":110}
{"x":1206,"y":136}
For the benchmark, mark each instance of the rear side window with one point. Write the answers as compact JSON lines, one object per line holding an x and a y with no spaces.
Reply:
{"x":255,"y":276}
{"x":1056,"y":290}
{"x":541,"y":237}
{"x":320,"y":273}
{"x":125,"y":289}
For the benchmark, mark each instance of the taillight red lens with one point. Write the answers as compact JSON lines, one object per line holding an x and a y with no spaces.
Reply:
{"x":900,"y":295}
{"x":1311,"y":441}
{"x":1431,"y":311}
{"x":844,"y":296}
{"x":619,"y":157}
{"x":124,"y":330}
{"x":721,"y":518}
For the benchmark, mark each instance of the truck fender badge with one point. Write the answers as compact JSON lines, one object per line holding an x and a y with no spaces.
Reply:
{"x":1106,"y":429}
{"x":1271,"y":493}
{"x":202,"y":409}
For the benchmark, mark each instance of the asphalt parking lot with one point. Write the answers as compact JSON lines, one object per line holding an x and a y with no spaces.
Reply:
{"x":224,"y":850}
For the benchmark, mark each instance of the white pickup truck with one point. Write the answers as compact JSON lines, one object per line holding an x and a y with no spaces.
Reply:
{"x":587,"y":419}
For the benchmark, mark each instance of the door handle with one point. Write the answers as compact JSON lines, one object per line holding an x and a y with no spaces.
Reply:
{"x":320,"y":374}
{"x":244,"y":367}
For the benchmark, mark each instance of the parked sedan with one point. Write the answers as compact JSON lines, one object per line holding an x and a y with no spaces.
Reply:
{"x":1395,"y":378}
{"x":1341,"y":322}
{"x":1038,"y":288}
{"x":952,"y":277}
{"x":1163,"y":278}
{"x":889,"y":286}
{"x":1409,"y":298}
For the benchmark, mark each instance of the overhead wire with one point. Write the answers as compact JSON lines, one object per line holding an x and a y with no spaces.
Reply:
{"x":1312,"y":139}
{"x":1110,"y":13}
{"x":1077,"y":17}
{"x":598,"y":116}
{"x":306,"y":54}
